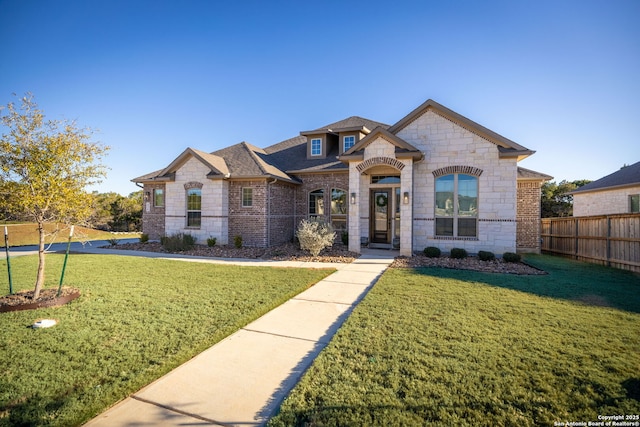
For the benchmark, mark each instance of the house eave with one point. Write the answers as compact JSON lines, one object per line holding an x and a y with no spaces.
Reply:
{"x":612,"y":187}
{"x":355,"y":157}
{"x":318,"y":171}
{"x":163,"y":178}
{"x":505,"y":153}
{"x":231,"y":177}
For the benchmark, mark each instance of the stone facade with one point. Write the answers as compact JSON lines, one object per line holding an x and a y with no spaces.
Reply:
{"x":604,"y":202}
{"x":215,"y":208}
{"x":445,"y":144}
{"x":406,"y":160}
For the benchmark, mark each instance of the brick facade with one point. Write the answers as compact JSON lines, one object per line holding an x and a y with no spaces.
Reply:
{"x":528,"y":225}
{"x":325,"y":182}
{"x":269,"y":221}
{"x":153,"y":216}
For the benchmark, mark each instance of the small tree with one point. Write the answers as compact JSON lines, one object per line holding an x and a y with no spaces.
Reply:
{"x":314,"y":236}
{"x":45,"y":166}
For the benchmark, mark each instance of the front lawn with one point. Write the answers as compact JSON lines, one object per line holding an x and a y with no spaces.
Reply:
{"x":445,"y":347}
{"x":136,"y":320}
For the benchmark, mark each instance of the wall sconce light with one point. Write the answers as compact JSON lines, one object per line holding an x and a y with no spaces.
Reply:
{"x":353,"y":198}
{"x":146,"y":196}
{"x":405,"y":198}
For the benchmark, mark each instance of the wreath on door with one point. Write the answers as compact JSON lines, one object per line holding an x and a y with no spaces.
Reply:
{"x":381,"y":201}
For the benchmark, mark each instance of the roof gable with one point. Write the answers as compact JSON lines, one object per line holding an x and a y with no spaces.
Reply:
{"x":216,"y":164}
{"x":403,"y":148}
{"x":506,"y":147}
{"x":627,"y":176}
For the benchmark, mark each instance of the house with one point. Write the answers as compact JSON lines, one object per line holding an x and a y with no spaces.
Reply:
{"x":616,"y":193}
{"x":434,"y":178}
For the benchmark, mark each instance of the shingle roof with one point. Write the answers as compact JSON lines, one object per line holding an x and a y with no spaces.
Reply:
{"x":291,"y":155}
{"x":246,"y":160}
{"x":349,"y":123}
{"x":528,"y":174}
{"x":147,"y":177}
{"x":628,"y":175}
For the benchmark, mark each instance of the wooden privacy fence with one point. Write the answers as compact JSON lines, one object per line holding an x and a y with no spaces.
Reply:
{"x":612,"y":240}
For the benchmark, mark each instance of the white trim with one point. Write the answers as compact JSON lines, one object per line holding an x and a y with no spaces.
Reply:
{"x":344,"y":142}
{"x":311,"y":147}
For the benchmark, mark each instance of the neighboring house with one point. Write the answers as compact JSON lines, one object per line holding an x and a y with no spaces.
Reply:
{"x":616,"y":193}
{"x":435,"y":178}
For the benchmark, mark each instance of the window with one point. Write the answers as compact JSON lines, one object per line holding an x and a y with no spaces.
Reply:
{"x":634,"y":201}
{"x":385,"y":179}
{"x":338,"y":202}
{"x":316,"y":147}
{"x":247,"y":197}
{"x":316,"y":203}
{"x":349,"y":141}
{"x":158,"y":197}
{"x":339,"y":210}
{"x":194,"y":207}
{"x":457,"y":205}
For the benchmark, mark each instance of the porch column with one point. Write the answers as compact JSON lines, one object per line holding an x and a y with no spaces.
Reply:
{"x":354,"y":208}
{"x":406,"y":209}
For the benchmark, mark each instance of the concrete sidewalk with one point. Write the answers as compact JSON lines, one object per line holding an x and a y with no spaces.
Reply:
{"x":242,"y":380}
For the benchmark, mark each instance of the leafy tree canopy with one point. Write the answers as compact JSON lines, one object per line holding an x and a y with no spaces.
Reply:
{"x":555,"y":200}
{"x":45,"y":166}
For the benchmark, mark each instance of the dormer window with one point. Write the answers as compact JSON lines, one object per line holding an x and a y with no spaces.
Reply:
{"x":349,"y":141}
{"x":316,"y":147}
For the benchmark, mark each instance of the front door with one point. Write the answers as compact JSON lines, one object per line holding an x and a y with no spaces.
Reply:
{"x":381,"y":216}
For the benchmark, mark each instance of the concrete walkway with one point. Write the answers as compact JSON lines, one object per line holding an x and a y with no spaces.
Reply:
{"x":242,"y":380}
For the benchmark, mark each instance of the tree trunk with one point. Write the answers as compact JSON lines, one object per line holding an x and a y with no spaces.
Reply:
{"x":40,"y":276}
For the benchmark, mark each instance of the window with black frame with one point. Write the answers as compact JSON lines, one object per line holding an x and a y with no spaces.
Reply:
{"x":194,"y":207}
{"x":456,"y":204}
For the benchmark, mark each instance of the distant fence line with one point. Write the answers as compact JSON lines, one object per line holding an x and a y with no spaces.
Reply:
{"x":612,"y":240}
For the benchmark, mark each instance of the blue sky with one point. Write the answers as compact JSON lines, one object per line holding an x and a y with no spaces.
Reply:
{"x":560,"y":77}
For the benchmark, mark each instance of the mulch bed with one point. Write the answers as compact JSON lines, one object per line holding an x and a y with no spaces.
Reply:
{"x":469,"y":263}
{"x":338,"y":253}
{"x":23,"y":300}
{"x":286,"y":252}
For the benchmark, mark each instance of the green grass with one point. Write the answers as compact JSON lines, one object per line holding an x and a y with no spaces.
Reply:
{"x":136,"y":320}
{"x":22,"y":234}
{"x":446,"y":347}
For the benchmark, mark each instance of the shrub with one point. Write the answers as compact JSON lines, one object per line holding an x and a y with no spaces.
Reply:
{"x":432,"y":252}
{"x":237,"y":241}
{"x":211,"y":242}
{"x":486,"y":256}
{"x":314,"y":236}
{"x":345,"y":238}
{"x":511,"y":257}
{"x":178,"y":242}
{"x":458,"y":253}
{"x":113,"y":241}
{"x":144,"y":238}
